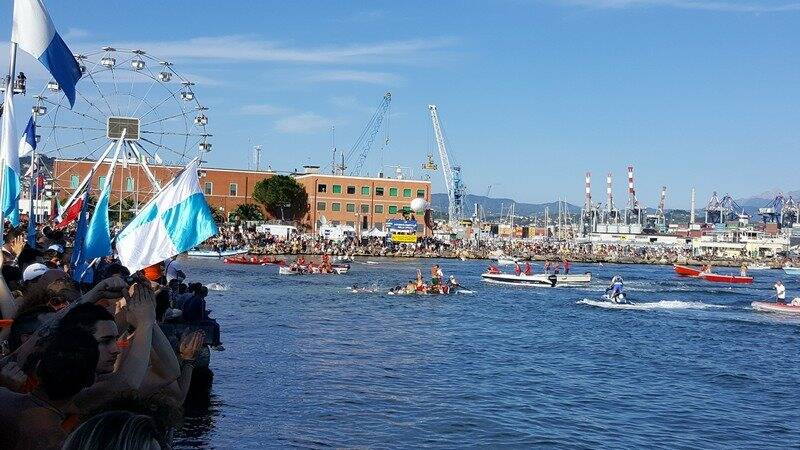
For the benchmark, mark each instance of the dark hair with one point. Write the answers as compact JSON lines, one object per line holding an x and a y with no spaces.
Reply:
{"x":86,"y":316}
{"x":12,"y":273}
{"x":118,"y":430}
{"x":162,"y":303}
{"x":27,"y":322}
{"x":68,"y":363}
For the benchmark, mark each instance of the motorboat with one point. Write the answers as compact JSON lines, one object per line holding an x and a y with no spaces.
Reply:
{"x":217,"y":253}
{"x":790,"y":270}
{"x":294,"y":269}
{"x":539,"y":279}
{"x":507,"y":260}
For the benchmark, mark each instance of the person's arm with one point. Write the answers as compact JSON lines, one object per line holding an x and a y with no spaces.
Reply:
{"x":189,"y":348}
{"x":131,"y":369}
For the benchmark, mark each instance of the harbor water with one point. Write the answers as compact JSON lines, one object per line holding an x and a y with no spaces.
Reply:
{"x":309,"y":364}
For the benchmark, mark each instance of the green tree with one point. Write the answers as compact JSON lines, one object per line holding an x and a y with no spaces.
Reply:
{"x":247,"y":211}
{"x":219,"y":217}
{"x":282,"y":196}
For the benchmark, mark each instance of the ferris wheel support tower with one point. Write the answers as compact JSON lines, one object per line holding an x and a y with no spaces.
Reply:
{"x":452,"y":174}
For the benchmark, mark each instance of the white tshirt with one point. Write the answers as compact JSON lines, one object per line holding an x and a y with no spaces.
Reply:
{"x":172,"y":269}
{"x":781,"y":290}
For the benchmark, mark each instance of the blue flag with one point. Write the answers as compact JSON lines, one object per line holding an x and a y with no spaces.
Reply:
{"x":33,"y":30}
{"x":98,"y":233}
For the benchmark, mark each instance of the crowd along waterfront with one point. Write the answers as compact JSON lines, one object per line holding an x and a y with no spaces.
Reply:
{"x":150,"y":299}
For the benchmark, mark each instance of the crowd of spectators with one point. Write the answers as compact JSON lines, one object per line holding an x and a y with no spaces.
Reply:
{"x":105,"y":362}
{"x":237,"y":236}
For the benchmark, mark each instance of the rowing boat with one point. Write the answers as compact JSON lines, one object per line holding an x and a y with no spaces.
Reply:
{"x":775,"y":307}
{"x":253,"y":261}
{"x":685,"y":271}
{"x":791,"y":270}
{"x":720,"y":278}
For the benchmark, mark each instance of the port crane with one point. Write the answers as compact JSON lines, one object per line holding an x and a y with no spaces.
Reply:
{"x":658,"y":221}
{"x":719,"y":210}
{"x":367,"y":137}
{"x":781,"y":210}
{"x":456,"y":189}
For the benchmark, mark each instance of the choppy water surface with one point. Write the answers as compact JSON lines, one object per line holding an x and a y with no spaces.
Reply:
{"x":309,"y":364}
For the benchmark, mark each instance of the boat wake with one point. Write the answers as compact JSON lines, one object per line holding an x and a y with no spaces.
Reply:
{"x":663,"y":304}
{"x":218,"y":287}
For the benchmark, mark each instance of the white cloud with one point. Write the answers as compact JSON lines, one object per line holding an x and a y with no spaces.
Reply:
{"x":249,"y":48}
{"x":303,"y":123}
{"x":263,"y":109}
{"x":75,"y":33}
{"x":357,"y":76}
{"x":708,"y":5}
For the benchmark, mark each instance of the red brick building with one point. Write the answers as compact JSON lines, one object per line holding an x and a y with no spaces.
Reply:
{"x":364,"y":202}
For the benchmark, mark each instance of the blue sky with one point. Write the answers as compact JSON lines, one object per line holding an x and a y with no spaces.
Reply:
{"x":531,"y":93}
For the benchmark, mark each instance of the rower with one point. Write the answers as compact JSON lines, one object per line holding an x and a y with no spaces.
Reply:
{"x":517,"y":270}
{"x":528,"y":269}
{"x":780,"y":292}
{"x":743,"y":270}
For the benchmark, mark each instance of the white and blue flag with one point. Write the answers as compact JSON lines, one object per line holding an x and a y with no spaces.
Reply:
{"x":27,"y":144}
{"x":34,"y":32}
{"x":176,"y":220}
{"x":10,"y":163}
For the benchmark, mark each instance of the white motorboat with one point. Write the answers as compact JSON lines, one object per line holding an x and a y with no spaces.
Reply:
{"x":506,"y":260}
{"x":758,"y":267}
{"x":792,"y":270}
{"x":539,"y":279}
{"x":217,"y":254}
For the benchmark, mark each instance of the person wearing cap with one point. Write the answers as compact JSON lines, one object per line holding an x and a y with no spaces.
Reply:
{"x":54,"y":254}
{"x":33,"y":271}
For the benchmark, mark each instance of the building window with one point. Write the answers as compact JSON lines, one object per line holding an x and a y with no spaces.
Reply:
{"x":378,"y":225}
{"x":129,"y":184}
{"x":350,"y":223}
{"x":322,"y":188}
{"x":379,"y":191}
{"x":421,"y":193}
{"x":74,"y":181}
{"x":364,"y":209}
{"x":351,"y":207}
{"x":392,"y":192}
{"x":336,"y":206}
{"x":101,"y":181}
{"x":320,"y":206}
{"x":209,"y":188}
{"x":378,"y":209}
{"x":364,"y":190}
{"x":234,"y":188}
{"x":392,"y":209}
{"x":337,"y":188}
{"x":407,"y":192}
{"x":335,"y":223}
{"x":351,"y":190}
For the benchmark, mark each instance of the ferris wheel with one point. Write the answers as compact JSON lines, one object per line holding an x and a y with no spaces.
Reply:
{"x":125,"y":95}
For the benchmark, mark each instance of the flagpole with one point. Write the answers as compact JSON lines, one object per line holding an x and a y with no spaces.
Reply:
{"x":12,"y":69}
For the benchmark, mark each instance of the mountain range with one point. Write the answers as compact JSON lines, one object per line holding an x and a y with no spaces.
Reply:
{"x":492,"y":206}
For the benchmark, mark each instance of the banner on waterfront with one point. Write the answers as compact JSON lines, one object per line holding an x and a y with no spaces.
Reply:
{"x":403,"y":226}
{"x":404,"y":238}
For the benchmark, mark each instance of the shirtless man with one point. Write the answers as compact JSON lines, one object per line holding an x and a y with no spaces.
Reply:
{"x":41,"y":420}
